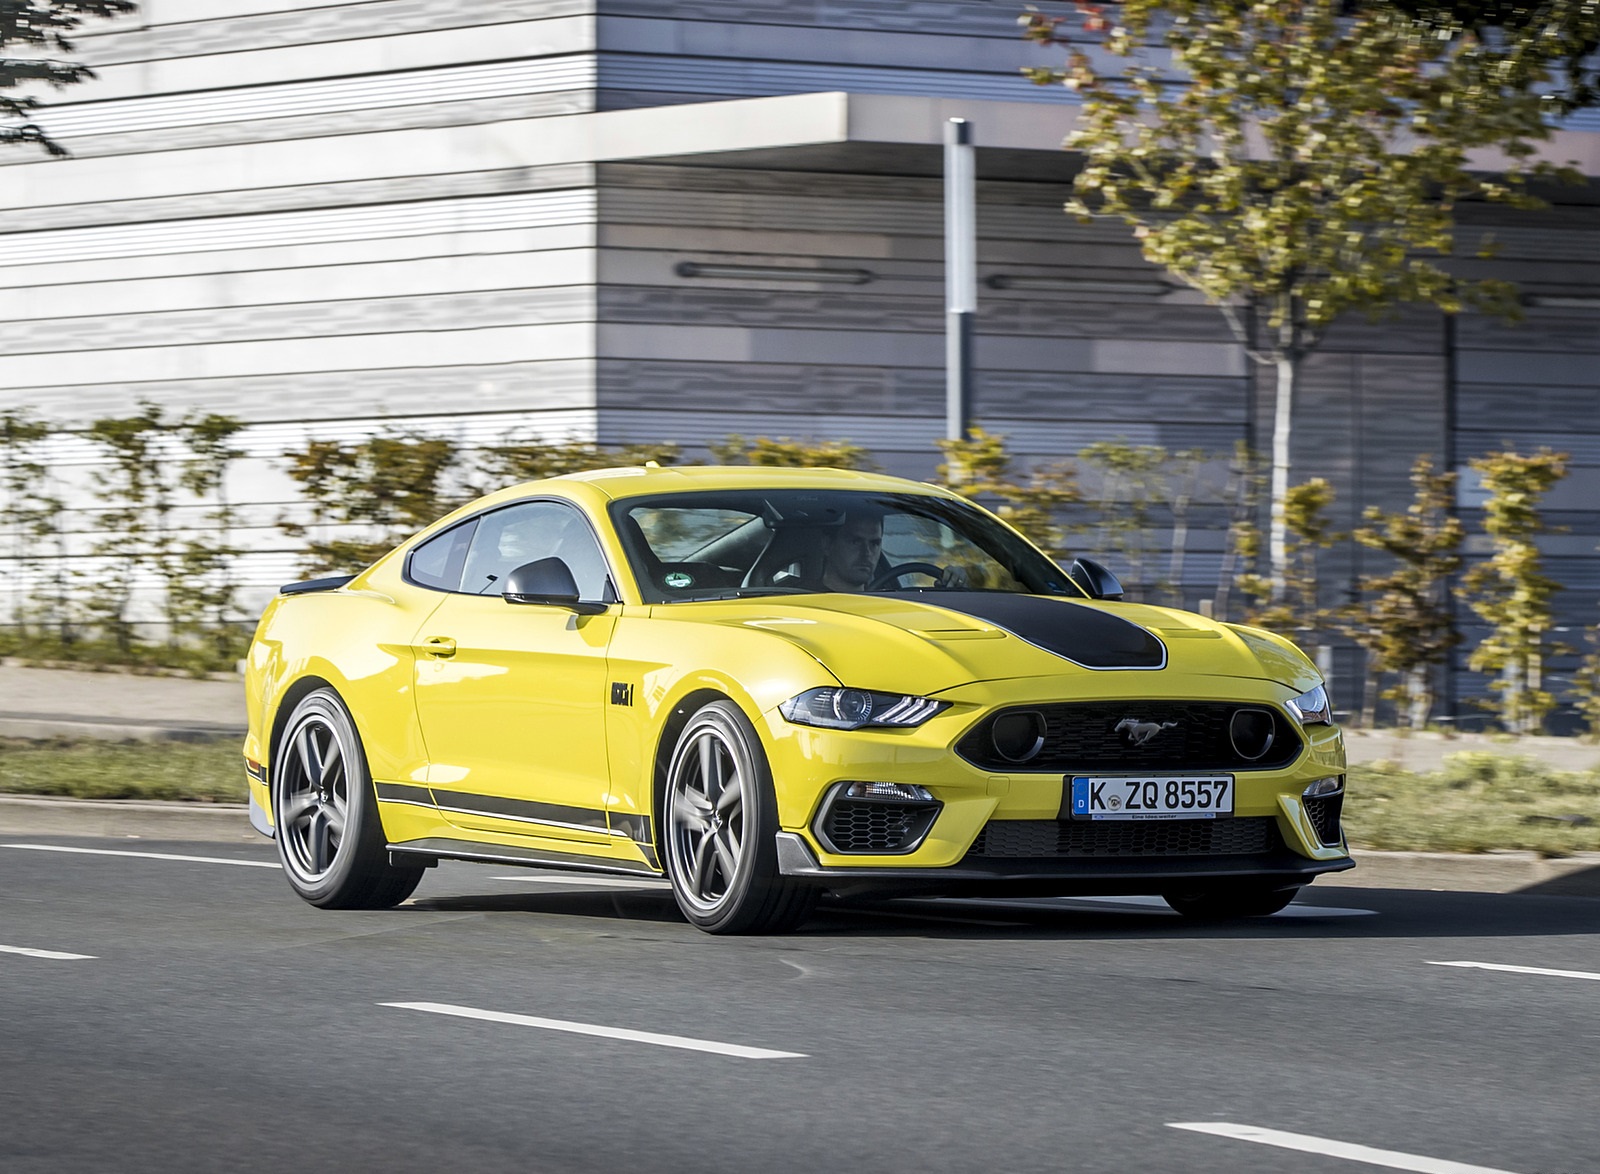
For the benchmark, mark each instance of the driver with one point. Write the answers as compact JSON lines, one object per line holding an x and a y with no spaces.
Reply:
{"x":851,"y":554}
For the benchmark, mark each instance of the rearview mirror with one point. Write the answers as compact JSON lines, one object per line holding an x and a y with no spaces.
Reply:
{"x":548,"y":581}
{"x":1096,"y":580}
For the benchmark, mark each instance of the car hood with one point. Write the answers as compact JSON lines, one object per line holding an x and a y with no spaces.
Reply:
{"x":930,"y":642}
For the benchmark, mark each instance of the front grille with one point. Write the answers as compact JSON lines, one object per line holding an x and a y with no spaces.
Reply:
{"x":872,"y":825}
{"x":1082,"y":736}
{"x":1017,"y":838}
{"x":1324,"y":813}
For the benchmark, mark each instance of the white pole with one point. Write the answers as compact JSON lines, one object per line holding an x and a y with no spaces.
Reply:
{"x":960,"y":273}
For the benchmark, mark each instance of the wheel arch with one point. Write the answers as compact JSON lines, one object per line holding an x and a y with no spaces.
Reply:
{"x":291,"y":697}
{"x":678,"y":716}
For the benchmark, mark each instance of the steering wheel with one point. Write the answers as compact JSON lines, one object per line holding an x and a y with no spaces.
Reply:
{"x":894,"y":574}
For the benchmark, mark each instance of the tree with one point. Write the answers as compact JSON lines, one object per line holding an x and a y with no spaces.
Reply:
{"x":1586,"y":686}
{"x":158,"y":469}
{"x":1404,"y":621}
{"x":387,"y":486}
{"x":979,"y":468}
{"x":203,"y":596}
{"x":136,"y":524}
{"x":29,"y":511}
{"x":784,"y":453}
{"x":533,"y":460}
{"x":1242,"y":543}
{"x":1558,"y":37}
{"x":1510,"y":592}
{"x":1293,"y":161}
{"x":42,"y":25}
{"x":1296,"y":605}
{"x":1132,"y":482}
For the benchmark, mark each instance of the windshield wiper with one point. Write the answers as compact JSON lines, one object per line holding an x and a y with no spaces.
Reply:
{"x":755,"y":592}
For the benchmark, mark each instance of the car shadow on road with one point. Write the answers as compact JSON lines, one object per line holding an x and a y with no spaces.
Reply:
{"x":1343,"y":913}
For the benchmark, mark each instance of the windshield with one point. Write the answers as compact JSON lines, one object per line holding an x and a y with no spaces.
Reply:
{"x":726,"y":543}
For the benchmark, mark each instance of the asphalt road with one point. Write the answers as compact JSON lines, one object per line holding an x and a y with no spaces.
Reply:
{"x":214,"y":1022}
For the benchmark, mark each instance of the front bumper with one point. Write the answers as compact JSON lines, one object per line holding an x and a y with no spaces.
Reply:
{"x":1056,"y":876}
{"x":808,"y":763}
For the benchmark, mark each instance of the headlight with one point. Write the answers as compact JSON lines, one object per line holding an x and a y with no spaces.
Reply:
{"x":850,"y":709}
{"x":1313,"y":707}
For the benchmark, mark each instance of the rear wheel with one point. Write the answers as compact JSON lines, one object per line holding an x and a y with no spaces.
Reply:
{"x":720,"y":818}
{"x":325,"y":813}
{"x":1230,"y":904}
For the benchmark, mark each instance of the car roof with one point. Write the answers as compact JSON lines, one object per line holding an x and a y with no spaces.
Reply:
{"x":648,"y":480}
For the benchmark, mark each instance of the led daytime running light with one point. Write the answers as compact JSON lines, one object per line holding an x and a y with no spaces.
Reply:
{"x":852,"y":709}
{"x":1313,"y":707}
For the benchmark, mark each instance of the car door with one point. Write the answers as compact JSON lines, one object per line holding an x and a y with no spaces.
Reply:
{"x":512,"y":697}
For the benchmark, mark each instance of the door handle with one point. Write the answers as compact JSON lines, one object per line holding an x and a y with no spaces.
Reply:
{"x":440,"y":646}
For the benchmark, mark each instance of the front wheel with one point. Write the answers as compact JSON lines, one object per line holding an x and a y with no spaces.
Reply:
{"x":1230,"y":904}
{"x":325,"y":813}
{"x":720,"y":816}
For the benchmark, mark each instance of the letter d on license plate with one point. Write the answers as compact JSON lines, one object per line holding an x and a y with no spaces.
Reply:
{"x":1151,"y":796}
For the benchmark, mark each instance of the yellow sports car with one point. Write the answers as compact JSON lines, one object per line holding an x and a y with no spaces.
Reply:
{"x":770,"y":684}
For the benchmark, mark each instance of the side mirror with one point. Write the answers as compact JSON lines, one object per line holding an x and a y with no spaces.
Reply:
{"x":547,"y":581}
{"x":1096,"y":580}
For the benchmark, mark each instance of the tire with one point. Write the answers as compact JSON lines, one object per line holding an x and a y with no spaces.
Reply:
{"x":720,"y":815}
{"x":325,"y":813}
{"x":1230,"y":904}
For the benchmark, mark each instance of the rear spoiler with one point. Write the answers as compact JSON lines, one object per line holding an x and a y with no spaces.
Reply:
{"x":307,"y":586}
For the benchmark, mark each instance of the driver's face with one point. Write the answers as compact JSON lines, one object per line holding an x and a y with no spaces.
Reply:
{"x":853,"y":554}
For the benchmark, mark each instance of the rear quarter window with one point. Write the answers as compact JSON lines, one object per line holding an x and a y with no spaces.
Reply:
{"x":437,"y":563}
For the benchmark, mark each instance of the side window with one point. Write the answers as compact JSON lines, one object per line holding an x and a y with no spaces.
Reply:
{"x":437,"y":563}
{"x":519,"y":534}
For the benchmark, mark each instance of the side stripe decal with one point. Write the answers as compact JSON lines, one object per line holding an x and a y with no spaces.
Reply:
{"x":498,"y":807}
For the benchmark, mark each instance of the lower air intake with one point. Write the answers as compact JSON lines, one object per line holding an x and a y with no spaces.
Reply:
{"x":872,"y":826}
{"x":1324,"y":813}
{"x":1044,"y":838}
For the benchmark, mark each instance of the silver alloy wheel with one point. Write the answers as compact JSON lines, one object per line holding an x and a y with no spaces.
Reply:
{"x":705,"y":819}
{"x":313,"y":797}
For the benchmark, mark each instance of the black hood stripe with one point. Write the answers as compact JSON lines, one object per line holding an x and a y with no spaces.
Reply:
{"x":1074,"y":631}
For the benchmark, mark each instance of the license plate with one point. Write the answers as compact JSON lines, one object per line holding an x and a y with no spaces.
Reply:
{"x":1151,"y":797}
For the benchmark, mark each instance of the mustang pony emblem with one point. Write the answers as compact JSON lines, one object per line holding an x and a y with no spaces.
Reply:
{"x":1136,"y":733}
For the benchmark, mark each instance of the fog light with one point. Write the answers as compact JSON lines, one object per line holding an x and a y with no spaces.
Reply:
{"x":896,"y":792}
{"x":1251,"y":731}
{"x":1017,"y":737}
{"x":1323,"y":788}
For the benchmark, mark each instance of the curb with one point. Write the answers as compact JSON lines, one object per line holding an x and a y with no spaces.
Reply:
{"x":216,"y":823}
{"x":45,"y":727}
{"x":1456,"y":872}
{"x":1462,"y":872}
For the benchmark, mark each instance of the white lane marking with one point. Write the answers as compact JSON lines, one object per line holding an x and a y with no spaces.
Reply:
{"x":588,"y":882}
{"x":1306,"y":1144}
{"x":26,"y":952}
{"x":143,"y":855}
{"x":622,"y":1033}
{"x":1521,"y":969}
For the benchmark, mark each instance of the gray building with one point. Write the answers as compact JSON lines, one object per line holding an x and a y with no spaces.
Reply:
{"x":644,"y":220}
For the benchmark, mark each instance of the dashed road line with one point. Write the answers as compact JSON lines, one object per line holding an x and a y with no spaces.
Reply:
{"x":1522,"y":969}
{"x":619,"y":1033}
{"x":143,"y":855}
{"x":53,"y":955}
{"x":1350,"y":1152}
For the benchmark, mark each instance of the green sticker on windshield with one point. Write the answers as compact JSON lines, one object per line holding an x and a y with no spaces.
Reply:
{"x":679,"y":579}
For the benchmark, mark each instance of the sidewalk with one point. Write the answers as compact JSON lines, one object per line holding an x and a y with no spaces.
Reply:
{"x":50,"y":703}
